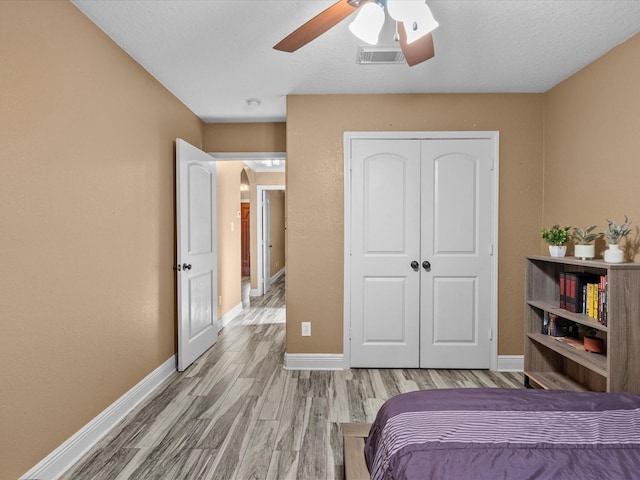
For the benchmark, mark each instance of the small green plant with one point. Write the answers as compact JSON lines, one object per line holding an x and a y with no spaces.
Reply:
{"x":616,"y":232}
{"x":556,"y":235}
{"x":585,"y":236}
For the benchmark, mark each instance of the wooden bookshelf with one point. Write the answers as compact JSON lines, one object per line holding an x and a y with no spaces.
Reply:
{"x":553,"y":364}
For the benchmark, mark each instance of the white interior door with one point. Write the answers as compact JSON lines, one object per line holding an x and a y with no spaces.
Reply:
{"x":428,"y":201}
{"x":266,"y":241}
{"x":456,"y":241}
{"x":385,"y":226}
{"x":196,"y":252}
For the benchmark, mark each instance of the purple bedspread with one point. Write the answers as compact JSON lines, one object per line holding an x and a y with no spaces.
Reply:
{"x":492,"y":433}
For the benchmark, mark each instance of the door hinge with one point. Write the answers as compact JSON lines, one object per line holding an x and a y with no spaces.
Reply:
{"x":491,"y":334}
{"x":491,"y":249}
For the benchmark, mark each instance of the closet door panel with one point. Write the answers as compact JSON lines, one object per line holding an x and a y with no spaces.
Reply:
{"x":385,"y":289}
{"x":456,"y":241}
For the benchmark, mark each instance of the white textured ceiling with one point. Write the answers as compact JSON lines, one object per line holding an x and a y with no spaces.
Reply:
{"x":214,"y":54}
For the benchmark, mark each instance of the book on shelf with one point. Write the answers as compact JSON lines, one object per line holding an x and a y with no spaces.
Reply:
{"x":569,"y":290}
{"x":560,"y":327}
{"x":584,"y":293}
{"x":594,"y":301}
{"x":602,"y":303}
{"x":587,"y":299}
{"x":580,"y":299}
{"x":545,"y":323}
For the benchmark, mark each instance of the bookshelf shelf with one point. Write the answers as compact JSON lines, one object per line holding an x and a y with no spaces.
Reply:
{"x":555,"y":381}
{"x":593,"y":361}
{"x":575,"y":317}
{"x":554,"y":364}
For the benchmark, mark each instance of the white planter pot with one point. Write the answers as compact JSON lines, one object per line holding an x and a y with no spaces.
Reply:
{"x":557,"y":250}
{"x":585,"y":251}
{"x":613,"y":254}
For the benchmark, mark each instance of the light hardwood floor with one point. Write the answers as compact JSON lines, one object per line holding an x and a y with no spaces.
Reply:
{"x":237,"y":414}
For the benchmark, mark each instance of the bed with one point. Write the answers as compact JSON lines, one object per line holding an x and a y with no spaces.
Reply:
{"x":487,"y":433}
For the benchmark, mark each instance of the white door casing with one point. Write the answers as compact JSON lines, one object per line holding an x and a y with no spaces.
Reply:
{"x":196,"y":252}
{"x":260,"y":189}
{"x":457,"y":299}
{"x":266,"y":244}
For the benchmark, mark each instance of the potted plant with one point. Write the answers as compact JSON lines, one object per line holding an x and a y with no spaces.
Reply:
{"x":614,"y":234}
{"x":591,"y":343}
{"x":556,"y":237}
{"x":583,"y":237}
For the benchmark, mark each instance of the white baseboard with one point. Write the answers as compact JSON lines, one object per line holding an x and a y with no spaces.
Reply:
{"x":224,"y":320}
{"x":277,"y":275}
{"x":327,"y":361}
{"x":258,"y":292}
{"x":314,"y":361}
{"x":510,"y":363}
{"x":63,"y":457}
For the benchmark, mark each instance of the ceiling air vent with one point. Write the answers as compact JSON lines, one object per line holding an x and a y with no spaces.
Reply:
{"x":368,"y":55}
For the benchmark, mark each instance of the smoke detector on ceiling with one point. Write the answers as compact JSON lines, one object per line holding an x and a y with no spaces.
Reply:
{"x":374,"y":55}
{"x":253,"y":103}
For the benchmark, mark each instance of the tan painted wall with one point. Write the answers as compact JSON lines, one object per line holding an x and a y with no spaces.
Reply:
{"x":592,"y":140}
{"x":87,"y":289}
{"x":315,"y":197}
{"x":277,"y":255}
{"x":245,"y":137}
{"x":229,"y":268}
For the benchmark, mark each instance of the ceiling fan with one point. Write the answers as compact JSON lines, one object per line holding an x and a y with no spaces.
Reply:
{"x":414,"y":24}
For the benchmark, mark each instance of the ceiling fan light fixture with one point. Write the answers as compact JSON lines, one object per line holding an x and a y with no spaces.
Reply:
{"x":421,"y":24}
{"x":401,"y":10}
{"x":368,"y":23}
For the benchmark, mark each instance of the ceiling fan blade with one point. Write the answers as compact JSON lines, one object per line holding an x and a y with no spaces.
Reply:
{"x":418,"y":51}
{"x":316,"y":26}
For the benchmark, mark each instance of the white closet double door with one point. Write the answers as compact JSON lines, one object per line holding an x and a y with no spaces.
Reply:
{"x":421,"y":252}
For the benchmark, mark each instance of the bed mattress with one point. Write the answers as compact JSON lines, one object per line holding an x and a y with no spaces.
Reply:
{"x":494,"y":434}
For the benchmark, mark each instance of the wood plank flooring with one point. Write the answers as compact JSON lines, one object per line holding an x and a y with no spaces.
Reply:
{"x":237,"y":414}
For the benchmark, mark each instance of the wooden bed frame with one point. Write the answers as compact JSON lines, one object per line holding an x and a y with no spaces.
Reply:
{"x":353,"y":437}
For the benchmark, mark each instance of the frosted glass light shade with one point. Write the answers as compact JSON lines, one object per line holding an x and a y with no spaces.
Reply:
{"x":421,"y":25}
{"x":401,"y":10}
{"x":368,"y":23}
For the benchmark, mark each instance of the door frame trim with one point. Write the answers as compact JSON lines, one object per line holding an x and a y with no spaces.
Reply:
{"x":260,"y":189}
{"x":417,"y":135}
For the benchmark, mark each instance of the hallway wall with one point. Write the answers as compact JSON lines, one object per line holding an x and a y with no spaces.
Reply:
{"x":87,"y":290}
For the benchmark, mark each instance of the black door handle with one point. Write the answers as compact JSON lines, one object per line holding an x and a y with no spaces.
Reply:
{"x":415,"y":265}
{"x":186,"y":266}
{"x":426,"y":265}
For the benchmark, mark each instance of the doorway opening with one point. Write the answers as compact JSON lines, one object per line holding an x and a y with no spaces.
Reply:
{"x":241,"y":275}
{"x":270,"y":225}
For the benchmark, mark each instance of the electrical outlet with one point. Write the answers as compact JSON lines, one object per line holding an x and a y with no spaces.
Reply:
{"x":306,"y":329}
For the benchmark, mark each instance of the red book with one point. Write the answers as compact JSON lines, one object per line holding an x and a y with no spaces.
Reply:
{"x":563,"y":297}
{"x":570,"y":288}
